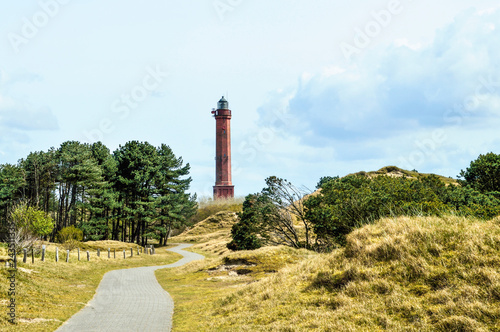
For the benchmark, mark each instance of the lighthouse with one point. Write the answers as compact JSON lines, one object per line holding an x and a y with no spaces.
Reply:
{"x":223,"y":186}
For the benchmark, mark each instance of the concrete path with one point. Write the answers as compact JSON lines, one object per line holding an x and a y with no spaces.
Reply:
{"x":129,"y":300}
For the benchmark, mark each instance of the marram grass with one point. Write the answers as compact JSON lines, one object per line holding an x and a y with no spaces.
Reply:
{"x":402,"y":274}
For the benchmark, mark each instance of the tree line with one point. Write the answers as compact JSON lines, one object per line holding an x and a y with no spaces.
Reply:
{"x":282,"y":214}
{"x":135,"y":193}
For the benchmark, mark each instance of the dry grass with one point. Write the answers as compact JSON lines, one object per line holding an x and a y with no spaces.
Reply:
{"x":211,"y":234}
{"x":404,"y":274}
{"x":48,"y":293}
{"x":3,"y":254}
{"x":208,"y":207}
{"x":415,"y":274}
{"x":104,"y":245}
{"x":197,"y":286}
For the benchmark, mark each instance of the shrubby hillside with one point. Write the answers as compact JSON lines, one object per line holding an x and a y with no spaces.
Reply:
{"x":282,"y":214}
{"x":404,"y":274}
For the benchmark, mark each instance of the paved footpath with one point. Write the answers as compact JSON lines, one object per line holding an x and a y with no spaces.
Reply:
{"x":129,"y":300}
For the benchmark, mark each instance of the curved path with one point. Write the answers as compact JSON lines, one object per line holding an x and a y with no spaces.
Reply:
{"x":129,"y":300}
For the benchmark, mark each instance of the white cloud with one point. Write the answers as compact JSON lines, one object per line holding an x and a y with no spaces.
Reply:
{"x":19,"y":118}
{"x":18,"y":113}
{"x":332,"y":70}
{"x":407,"y":43}
{"x":405,"y":104}
{"x":21,"y":115}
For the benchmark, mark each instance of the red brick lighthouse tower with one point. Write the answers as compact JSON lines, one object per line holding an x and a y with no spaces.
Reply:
{"x":223,"y":187}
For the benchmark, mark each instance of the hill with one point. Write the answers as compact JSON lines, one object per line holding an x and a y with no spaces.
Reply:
{"x":211,"y":234}
{"x":395,"y":171}
{"x":399,"y":274}
{"x":402,"y":274}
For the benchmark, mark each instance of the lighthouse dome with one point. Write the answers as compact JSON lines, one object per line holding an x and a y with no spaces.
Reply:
{"x":223,"y":104}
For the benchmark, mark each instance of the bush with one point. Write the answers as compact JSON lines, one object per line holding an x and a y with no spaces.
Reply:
{"x":30,"y":224}
{"x":70,"y":237}
{"x":467,"y":201}
{"x":353,"y":201}
{"x":325,"y":179}
{"x":32,"y":220}
{"x":275,"y":216}
{"x":244,"y":232}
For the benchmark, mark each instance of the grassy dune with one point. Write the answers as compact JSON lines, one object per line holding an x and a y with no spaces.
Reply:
{"x":48,"y":293}
{"x":208,"y":207}
{"x":404,"y":274}
{"x":399,"y":172}
{"x":210,"y":235}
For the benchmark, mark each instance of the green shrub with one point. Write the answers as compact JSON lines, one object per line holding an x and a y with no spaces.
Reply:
{"x":69,"y":233}
{"x":353,"y":201}
{"x":70,"y":237}
{"x":31,"y":220}
{"x":325,"y":179}
{"x":275,"y":216}
{"x":244,"y":232}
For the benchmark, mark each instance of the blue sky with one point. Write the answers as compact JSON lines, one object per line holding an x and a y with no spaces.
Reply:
{"x":316,"y":87}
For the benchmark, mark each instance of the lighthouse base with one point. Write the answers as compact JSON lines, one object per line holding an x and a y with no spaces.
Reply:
{"x":223,"y":192}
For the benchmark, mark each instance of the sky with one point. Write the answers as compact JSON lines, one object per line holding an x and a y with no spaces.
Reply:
{"x":316,"y":87}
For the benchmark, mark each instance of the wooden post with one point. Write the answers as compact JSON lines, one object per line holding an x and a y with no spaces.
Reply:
{"x":25,"y":251}
{"x":88,"y":256}
{"x":32,"y":255}
{"x":109,"y":253}
{"x":43,"y":253}
{"x":98,"y":252}
{"x":123,"y":253}
{"x":114,"y":253}
{"x":67,"y":256}
{"x":131,"y":252}
{"x":57,"y":254}
{"x":78,"y":254}
{"x":138,"y":251}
